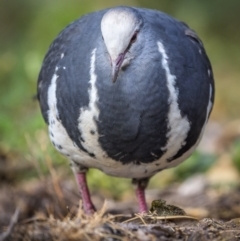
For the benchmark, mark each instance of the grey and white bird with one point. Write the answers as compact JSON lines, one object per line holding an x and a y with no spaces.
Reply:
{"x":127,"y":91}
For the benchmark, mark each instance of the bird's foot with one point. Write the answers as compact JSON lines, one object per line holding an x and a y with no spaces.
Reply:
{"x":83,"y":188}
{"x":140,"y":193}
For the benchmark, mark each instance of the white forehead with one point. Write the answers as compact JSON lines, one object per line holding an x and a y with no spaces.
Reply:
{"x":118,"y":26}
{"x":119,"y":20}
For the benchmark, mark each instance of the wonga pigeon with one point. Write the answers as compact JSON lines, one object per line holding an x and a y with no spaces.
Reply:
{"x":127,"y":91}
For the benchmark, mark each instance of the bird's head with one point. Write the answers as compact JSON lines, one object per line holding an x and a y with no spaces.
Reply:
{"x":120,"y":28}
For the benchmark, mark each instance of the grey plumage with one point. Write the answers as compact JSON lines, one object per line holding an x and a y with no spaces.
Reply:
{"x":152,"y":116}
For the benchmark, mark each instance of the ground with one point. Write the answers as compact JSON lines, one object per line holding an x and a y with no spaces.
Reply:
{"x":48,"y":210}
{"x":47,"y":207}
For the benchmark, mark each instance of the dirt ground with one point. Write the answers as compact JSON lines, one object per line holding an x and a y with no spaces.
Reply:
{"x":48,"y":208}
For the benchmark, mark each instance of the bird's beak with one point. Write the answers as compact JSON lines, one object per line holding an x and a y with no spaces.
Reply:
{"x":116,"y":66}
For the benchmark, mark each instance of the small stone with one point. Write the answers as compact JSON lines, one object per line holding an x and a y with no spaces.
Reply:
{"x":160,"y":208}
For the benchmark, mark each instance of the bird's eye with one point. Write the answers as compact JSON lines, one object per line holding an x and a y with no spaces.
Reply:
{"x":134,"y":37}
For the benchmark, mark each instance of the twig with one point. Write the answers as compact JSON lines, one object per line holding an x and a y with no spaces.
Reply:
{"x":12,"y":224}
{"x":137,"y":216}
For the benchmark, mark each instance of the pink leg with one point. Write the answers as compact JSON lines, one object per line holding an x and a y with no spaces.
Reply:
{"x":83,"y":188}
{"x":140,"y":193}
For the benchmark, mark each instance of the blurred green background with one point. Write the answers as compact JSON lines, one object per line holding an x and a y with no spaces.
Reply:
{"x":27,"y":28}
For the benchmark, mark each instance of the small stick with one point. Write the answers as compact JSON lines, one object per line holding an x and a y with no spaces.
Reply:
{"x":12,"y":224}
